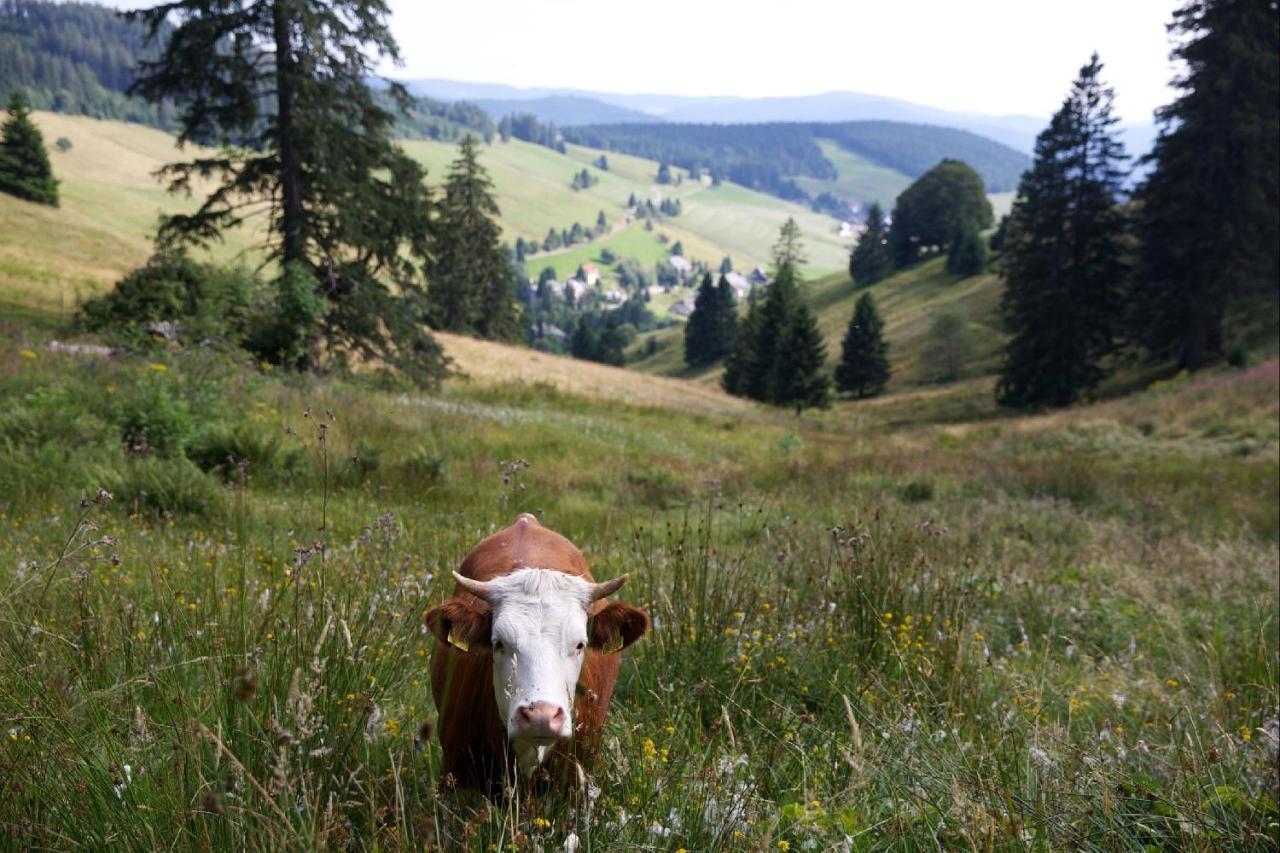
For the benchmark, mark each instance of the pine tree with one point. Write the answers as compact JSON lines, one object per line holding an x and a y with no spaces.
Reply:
{"x":864,"y":353}
{"x":302,"y":138}
{"x":24,"y":163}
{"x":744,"y":348}
{"x":1064,"y":260}
{"x":967,"y":254}
{"x":780,"y":303}
{"x":1209,"y":213}
{"x":726,"y":265}
{"x":727,"y":317}
{"x":799,"y":379}
{"x":870,"y":260}
{"x":471,"y":287}
{"x":700,"y":344}
{"x":584,"y":343}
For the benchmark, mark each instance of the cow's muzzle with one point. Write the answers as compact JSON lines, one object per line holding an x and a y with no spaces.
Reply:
{"x":540,"y":720}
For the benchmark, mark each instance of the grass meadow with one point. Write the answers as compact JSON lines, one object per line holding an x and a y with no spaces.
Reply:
{"x":1047,"y":633}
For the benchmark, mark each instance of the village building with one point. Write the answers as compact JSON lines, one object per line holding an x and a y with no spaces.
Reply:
{"x":741,"y":287}
{"x":683,"y":266}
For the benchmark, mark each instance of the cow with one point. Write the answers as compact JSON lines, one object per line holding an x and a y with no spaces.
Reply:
{"x":526,"y":657}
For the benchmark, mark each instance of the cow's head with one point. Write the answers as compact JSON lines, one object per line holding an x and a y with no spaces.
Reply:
{"x":537,"y":629}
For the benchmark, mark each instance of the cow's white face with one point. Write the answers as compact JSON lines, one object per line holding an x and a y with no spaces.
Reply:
{"x":538,"y":642}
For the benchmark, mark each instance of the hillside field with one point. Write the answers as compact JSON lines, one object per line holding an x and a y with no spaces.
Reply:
{"x":916,"y":622}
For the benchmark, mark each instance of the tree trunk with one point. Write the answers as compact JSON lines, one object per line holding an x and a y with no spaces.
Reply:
{"x":293,"y":237}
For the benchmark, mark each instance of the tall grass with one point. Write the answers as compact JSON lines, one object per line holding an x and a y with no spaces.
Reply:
{"x":1039,"y":649}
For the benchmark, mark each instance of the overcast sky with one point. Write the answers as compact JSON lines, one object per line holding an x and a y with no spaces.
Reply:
{"x":988,"y":56}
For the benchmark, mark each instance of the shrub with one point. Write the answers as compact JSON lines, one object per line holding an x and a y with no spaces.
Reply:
{"x":172,"y":297}
{"x":285,"y":333}
{"x":155,"y":419}
{"x":917,"y":491}
{"x":221,"y":448}
{"x":163,"y":486}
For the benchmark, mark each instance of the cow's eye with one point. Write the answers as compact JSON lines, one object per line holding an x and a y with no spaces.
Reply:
{"x":499,"y":646}
{"x":580,"y":646}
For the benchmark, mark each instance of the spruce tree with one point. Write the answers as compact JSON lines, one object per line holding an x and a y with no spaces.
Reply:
{"x":780,"y":303}
{"x":471,"y":288}
{"x":700,"y":332}
{"x":799,"y":377}
{"x":584,"y":343}
{"x":864,"y":353}
{"x":281,"y":88}
{"x":870,"y":260}
{"x":1209,"y":212}
{"x":1064,"y":262}
{"x":967,"y":254}
{"x":24,"y":163}
{"x":742,"y":355}
{"x":726,"y":317}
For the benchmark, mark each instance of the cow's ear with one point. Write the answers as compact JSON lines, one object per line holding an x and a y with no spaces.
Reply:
{"x":617,"y":626}
{"x":460,"y":625}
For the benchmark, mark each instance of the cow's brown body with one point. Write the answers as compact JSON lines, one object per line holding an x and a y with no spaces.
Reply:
{"x":472,"y":735}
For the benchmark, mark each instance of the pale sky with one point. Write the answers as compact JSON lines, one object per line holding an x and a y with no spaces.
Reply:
{"x":988,"y":56}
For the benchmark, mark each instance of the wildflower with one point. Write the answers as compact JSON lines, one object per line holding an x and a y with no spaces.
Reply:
{"x":158,"y":367}
{"x":571,"y":843}
{"x":541,"y":823}
{"x":29,"y":355}
{"x":784,"y":845}
{"x":1171,"y":683}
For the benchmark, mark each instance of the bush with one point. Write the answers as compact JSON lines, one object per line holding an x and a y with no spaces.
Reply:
{"x":173,"y":298}
{"x":285,"y":334}
{"x":163,"y":486}
{"x":917,"y":491}
{"x":50,"y":415}
{"x":155,"y":419}
{"x":222,"y":448}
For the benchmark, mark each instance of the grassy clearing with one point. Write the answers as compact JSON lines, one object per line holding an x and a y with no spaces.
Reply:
{"x":857,"y":178}
{"x":1056,"y":632}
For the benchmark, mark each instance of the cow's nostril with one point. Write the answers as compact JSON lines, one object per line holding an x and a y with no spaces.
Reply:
{"x":540,"y":719}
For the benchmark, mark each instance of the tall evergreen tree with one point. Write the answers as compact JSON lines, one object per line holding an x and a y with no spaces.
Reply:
{"x":742,"y":355}
{"x":1209,"y":213}
{"x":776,"y":311}
{"x":726,"y":316}
{"x":700,"y":344}
{"x":281,"y":87}
{"x":24,"y":163}
{"x":798,"y":378}
{"x":864,"y":353}
{"x":870,"y":260}
{"x":967,"y":254}
{"x":471,"y":286}
{"x":1064,"y":262}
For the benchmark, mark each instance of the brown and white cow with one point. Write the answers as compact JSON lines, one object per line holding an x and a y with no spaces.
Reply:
{"x":527,"y":654}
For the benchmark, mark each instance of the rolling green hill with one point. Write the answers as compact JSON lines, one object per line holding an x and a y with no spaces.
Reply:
{"x":908,"y":302}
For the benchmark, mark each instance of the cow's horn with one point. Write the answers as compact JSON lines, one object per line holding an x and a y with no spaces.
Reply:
{"x":600,"y":590}
{"x":479,"y":589}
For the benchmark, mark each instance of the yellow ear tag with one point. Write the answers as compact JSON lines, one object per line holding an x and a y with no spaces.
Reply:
{"x":458,"y":642}
{"x":614,"y":645}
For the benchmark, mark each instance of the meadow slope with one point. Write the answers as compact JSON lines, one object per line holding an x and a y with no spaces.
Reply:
{"x":909,"y":623}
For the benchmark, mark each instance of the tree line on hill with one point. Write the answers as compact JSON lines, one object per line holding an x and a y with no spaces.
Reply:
{"x":768,"y":156}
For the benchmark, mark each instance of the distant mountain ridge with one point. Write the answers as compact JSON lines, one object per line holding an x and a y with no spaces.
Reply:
{"x":562,"y":110}
{"x":1016,"y":131}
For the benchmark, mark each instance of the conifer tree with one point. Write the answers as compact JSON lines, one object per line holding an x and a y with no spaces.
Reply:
{"x":726,"y":316}
{"x":700,"y":344}
{"x":1209,"y":215}
{"x":470,"y":282}
{"x":799,"y":376}
{"x":967,"y":254}
{"x":24,"y":163}
{"x":864,"y":353}
{"x":780,"y":303}
{"x":1064,"y":262}
{"x":870,"y":260}
{"x":584,"y":343}
{"x":281,"y":87}
{"x":744,"y":347}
